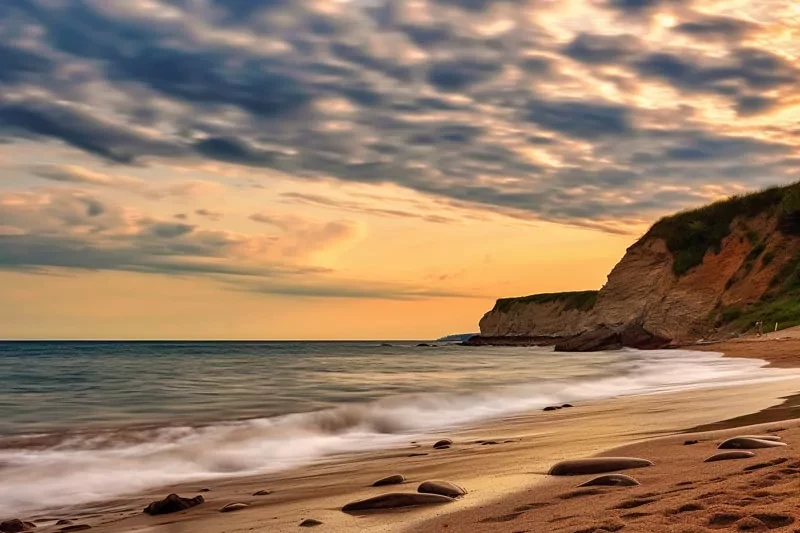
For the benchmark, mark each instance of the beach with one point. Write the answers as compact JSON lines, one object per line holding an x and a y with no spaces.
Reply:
{"x":502,"y":463}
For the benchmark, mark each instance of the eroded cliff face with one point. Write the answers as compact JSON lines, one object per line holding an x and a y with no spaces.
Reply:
{"x":644,"y":290}
{"x":523,"y":318}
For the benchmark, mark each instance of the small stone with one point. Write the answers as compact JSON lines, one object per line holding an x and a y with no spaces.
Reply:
{"x":489,"y":442}
{"x":596,"y":465}
{"x":727,"y":456}
{"x":690,"y":442}
{"x":204,"y":490}
{"x":550,"y":408}
{"x":444,"y":488}
{"x":422,"y":454}
{"x":749,"y":443}
{"x":611,"y":480}
{"x":395,"y":500}
{"x":439,"y":444}
{"x":567,"y":405}
{"x":390,"y":480}
{"x":751,"y":523}
{"x":233,"y":507}
{"x":172,"y":504}
{"x":262,"y":493}
{"x":310,"y":522}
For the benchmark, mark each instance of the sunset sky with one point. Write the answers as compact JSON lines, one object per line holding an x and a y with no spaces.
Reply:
{"x":328,"y":169}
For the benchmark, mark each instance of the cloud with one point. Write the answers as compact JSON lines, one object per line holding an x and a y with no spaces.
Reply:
{"x":211,"y":215}
{"x":360,"y":207}
{"x":727,"y":28}
{"x":498,"y":105}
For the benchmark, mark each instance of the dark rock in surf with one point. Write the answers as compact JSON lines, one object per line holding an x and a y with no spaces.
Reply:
{"x":635,"y":336}
{"x":395,"y":500}
{"x":15,"y":526}
{"x":422,"y":454}
{"x":690,"y":442}
{"x":424,"y":345}
{"x":727,"y":456}
{"x":748,"y":443}
{"x":597,"y":465}
{"x":567,"y":406}
{"x":611,"y":480}
{"x":310,"y":522}
{"x":64,"y":522}
{"x":172,"y":504}
{"x":262,"y":493}
{"x":443,"y":488}
{"x":591,"y":341}
{"x":550,"y":408}
{"x":444,"y":443}
{"x":390,"y":480}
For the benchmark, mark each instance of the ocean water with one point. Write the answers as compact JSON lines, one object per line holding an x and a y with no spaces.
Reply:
{"x":81,"y":422}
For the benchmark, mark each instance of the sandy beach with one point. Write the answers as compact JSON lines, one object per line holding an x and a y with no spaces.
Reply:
{"x":503,"y":466}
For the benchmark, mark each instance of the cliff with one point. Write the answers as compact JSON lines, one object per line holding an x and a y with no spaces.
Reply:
{"x":709,"y":271}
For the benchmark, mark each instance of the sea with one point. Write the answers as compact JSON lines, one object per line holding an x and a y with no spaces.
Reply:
{"x":87,"y":421}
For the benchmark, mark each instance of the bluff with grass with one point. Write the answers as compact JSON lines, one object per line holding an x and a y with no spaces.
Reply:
{"x":700,"y":273}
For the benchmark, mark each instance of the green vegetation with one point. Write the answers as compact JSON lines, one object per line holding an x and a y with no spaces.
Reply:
{"x":580,"y":300}
{"x":691,"y":234}
{"x":781,"y":304}
{"x":756,"y":252}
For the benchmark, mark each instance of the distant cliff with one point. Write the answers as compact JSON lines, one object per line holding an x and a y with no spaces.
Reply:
{"x":709,"y":271}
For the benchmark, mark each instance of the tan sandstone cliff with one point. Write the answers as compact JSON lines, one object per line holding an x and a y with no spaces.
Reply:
{"x":736,"y":263}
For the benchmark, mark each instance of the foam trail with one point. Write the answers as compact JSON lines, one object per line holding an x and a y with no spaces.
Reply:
{"x":78,"y":468}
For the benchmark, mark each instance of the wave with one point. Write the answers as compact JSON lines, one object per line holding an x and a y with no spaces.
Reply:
{"x":59,"y":470}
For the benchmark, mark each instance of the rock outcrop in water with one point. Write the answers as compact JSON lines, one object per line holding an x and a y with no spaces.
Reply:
{"x":713,"y":271}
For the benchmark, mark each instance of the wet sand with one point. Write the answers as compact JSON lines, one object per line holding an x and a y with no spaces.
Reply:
{"x":508,"y":489}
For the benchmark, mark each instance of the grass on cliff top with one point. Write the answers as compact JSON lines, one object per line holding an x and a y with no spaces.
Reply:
{"x":580,"y":300}
{"x":691,"y":234}
{"x":781,"y":305}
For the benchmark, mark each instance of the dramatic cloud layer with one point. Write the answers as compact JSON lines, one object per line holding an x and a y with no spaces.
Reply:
{"x":598,"y":114}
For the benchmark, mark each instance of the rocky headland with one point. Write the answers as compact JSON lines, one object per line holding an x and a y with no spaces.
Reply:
{"x":708,"y":273}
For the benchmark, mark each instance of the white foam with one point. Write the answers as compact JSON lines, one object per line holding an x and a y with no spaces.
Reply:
{"x":81,"y":468}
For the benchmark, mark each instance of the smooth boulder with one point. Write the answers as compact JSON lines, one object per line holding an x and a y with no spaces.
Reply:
{"x":233,"y":507}
{"x":172,"y":504}
{"x":395,"y":500}
{"x":443,"y":488}
{"x":390,"y":480}
{"x":727,"y":456}
{"x":596,"y":465}
{"x":444,"y":443}
{"x":749,"y":443}
{"x":611,"y":480}
{"x":15,"y":526}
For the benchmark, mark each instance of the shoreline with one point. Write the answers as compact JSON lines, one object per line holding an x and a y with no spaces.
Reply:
{"x":489,"y":472}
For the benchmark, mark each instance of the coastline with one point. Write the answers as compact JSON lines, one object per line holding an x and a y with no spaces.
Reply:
{"x":495,"y":475}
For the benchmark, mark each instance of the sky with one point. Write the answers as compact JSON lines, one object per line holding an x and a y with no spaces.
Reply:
{"x":363,"y":169}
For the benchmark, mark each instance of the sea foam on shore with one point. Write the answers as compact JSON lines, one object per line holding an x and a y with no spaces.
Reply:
{"x":79,"y":466}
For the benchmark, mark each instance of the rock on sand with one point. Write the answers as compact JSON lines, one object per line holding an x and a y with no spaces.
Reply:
{"x":444,"y":443}
{"x":262,"y":493}
{"x":611,"y":480}
{"x":172,"y":504}
{"x":596,"y":465}
{"x":749,"y":443}
{"x":310,"y":522}
{"x":233,"y":507}
{"x":726,"y":456}
{"x":390,"y":480}
{"x":395,"y":500}
{"x":15,"y":526}
{"x":444,"y":488}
